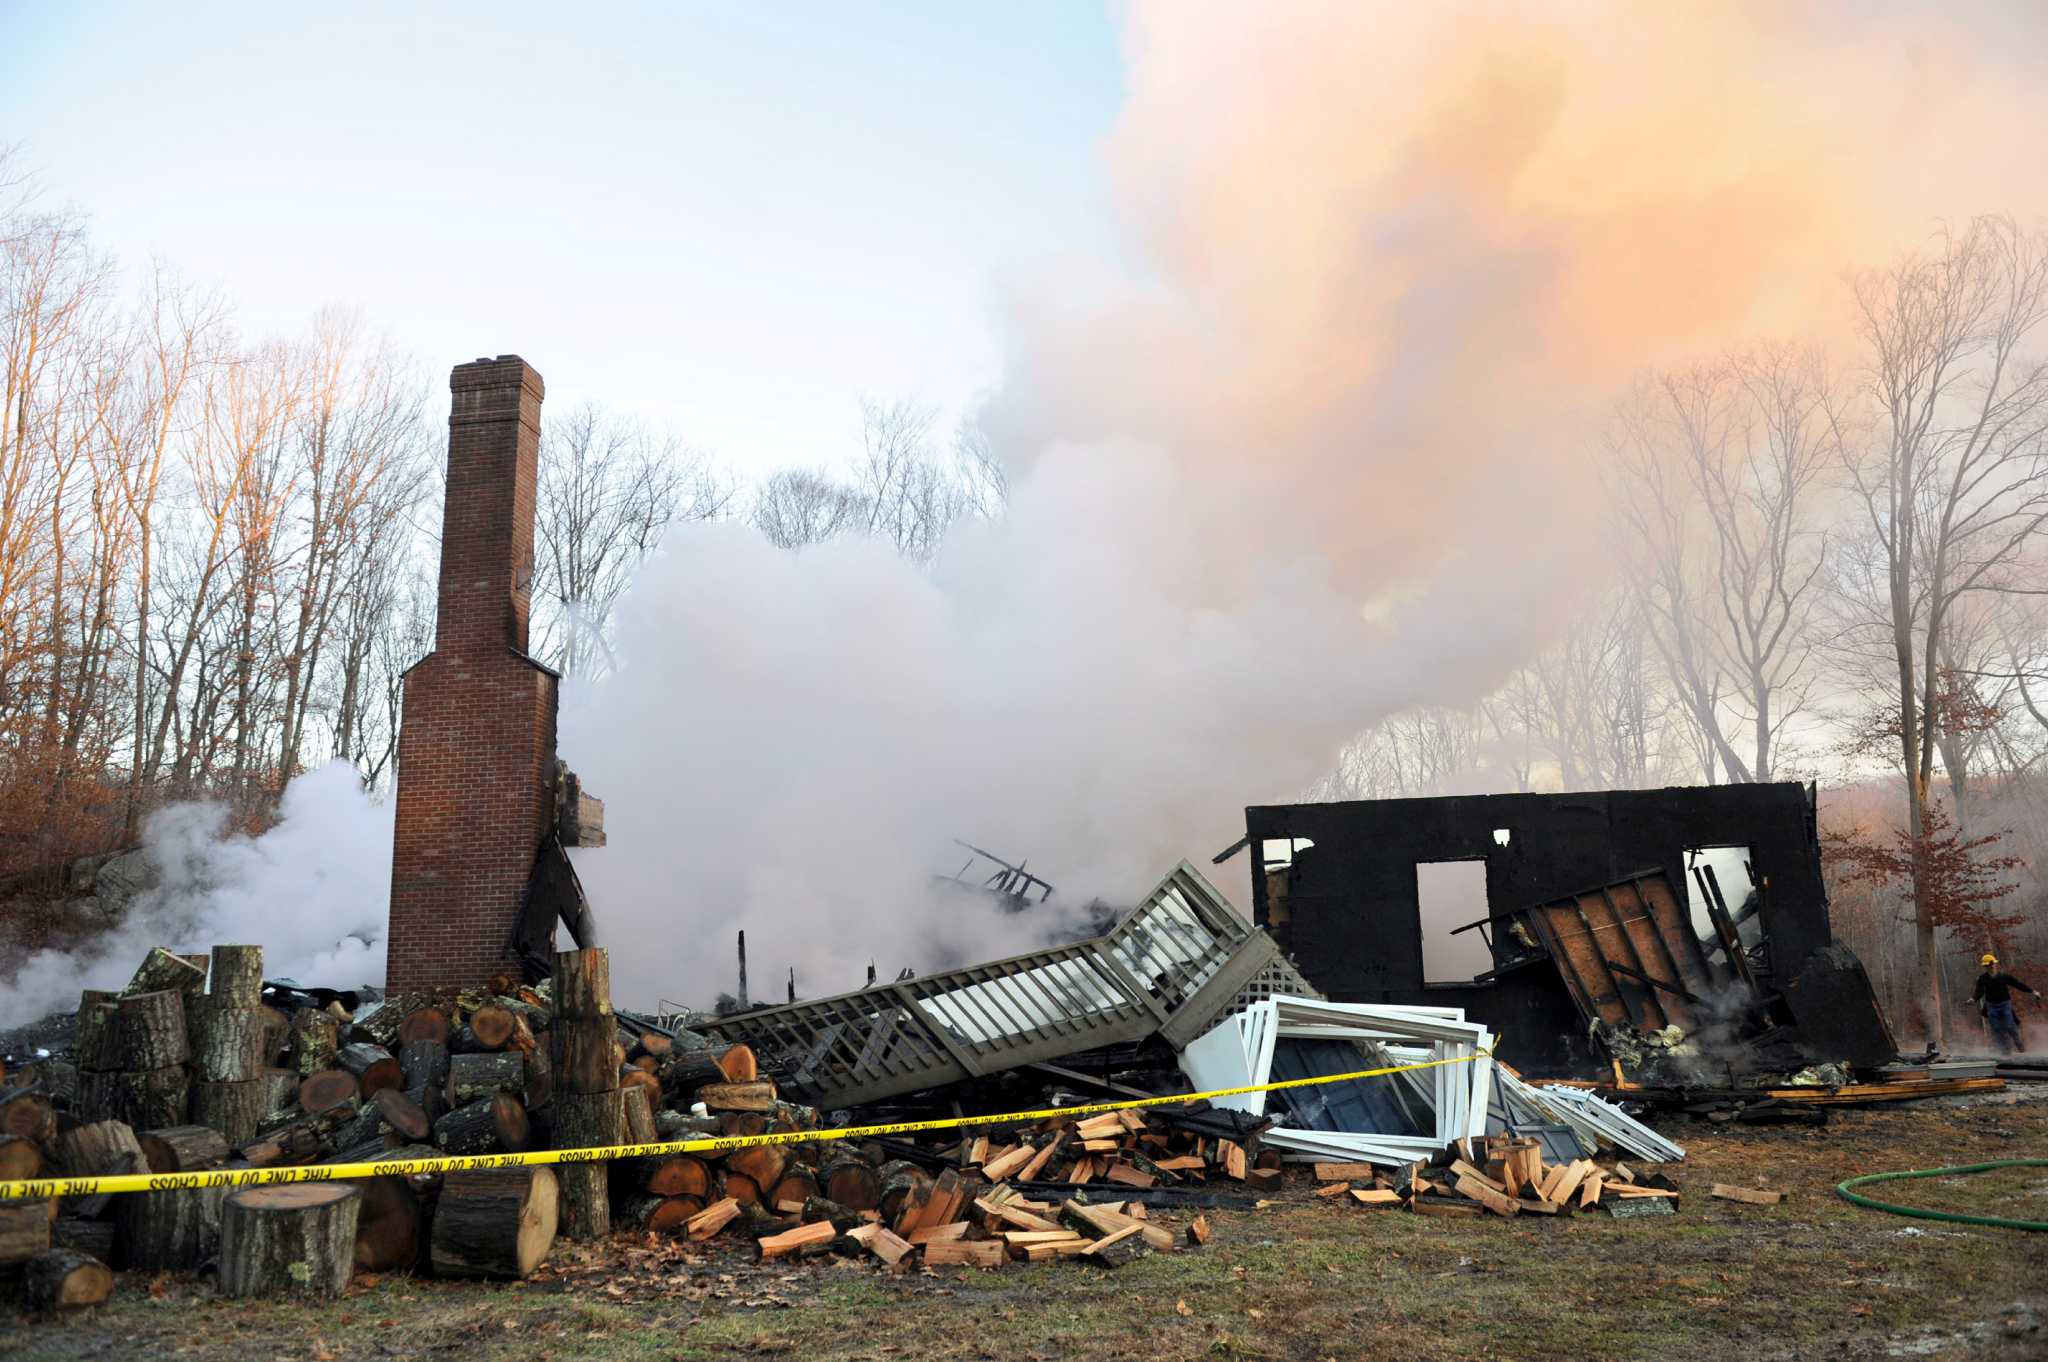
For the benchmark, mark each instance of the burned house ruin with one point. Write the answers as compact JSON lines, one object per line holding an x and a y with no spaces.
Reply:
{"x":1549,"y":916}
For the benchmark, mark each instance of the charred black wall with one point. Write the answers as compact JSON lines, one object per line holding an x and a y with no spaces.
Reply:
{"x":1352,"y":917}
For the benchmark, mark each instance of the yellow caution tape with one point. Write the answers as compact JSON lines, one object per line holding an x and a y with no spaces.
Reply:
{"x":38,"y":1188}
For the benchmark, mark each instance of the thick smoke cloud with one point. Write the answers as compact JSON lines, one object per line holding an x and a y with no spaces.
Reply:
{"x":1311,"y":447}
{"x":312,"y":891}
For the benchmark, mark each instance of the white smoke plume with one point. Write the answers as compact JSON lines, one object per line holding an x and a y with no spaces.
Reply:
{"x":1311,"y":447}
{"x":313,"y":891}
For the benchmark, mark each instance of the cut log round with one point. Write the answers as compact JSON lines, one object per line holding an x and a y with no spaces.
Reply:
{"x":100,"y":1149}
{"x":162,"y":971}
{"x":315,"y":1037}
{"x":373,"y":1067}
{"x":584,"y":1054}
{"x":764,"y":1164}
{"x":798,"y":1184}
{"x":483,"y":1126}
{"x":582,"y":983}
{"x":652,"y":1044}
{"x":24,"y":1230}
{"x":229,"y":1044}
{"x":424,"y":1024}
{"x":685,"y":1071}
{"x":738,"y":1096}
{"x":471,"y":1078}
{"x":59,"y":1279}
{"x":156,"y":1097}
{"x":168,"y":1231}
{"x":19,"y":1159}
{"x":492,"y":1026}
{"x":676,"y":1175}
{"x":183,"y":1149}
{"x":402,"y":1114}
{"x":732,"y":1124}
{"x":326,"y":1089}
{"x":660,"y":1214}
{"x":29,"y":1114}
{"x":424,"y":1063}
{"x":92,"y":1040}
{"x":233,"y":1109}
{"x":495,"y":1223}
{"x":740,"y":1188}
{"x":389,"y":1226}
{"x":646,"y":1082}
{"x":292,"y":1240}
{"x":149,"y":1031}
{"x":236,"y":980}
{"x":738,"y":1064}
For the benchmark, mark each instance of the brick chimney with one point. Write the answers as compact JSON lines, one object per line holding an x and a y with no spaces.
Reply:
{"x":476,"y":748}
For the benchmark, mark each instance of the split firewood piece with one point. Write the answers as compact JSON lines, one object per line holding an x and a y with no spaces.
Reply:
{"x":1341,"y":1172}
{"x":498,"y":1222}
{"x":1498,"y":1202}
{"x":756,"y":1096}
{"x":57,"y":1280}
{"x":713,"y":1218}
{"x":884,"y":1243}
{"x":1376,"y":1197}
{"x":1235,"y":1165}
{"x":938,"y":1234}
{"x":1045,"y":1155}
{"x":1334,"y":1189}
{"x":1007,"y":1214}
{"x":325,"y":1090}
{"x":1020,"y":1157}
{"x":296,"y":1239}
{"x":1754,"y":1196}
{"x":1444,"y":1206}
{"x":183,"y":1149}
{"x":983,"y":1253}
{"x":372,"y":1067}
{"x":1198,"y":1230}
{"x":1115,"y":1249}
{"x":739,"y":1064}
{"x":1261,"y":1179}
{"x":1568,"y":1182}
{"x":388,"y":1225}
{"x":793,"y":1241}
{"x":1589,"y":1191}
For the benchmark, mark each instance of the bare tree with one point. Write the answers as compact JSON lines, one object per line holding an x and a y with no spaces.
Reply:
{"x":608,"y":491}
{"x":1953,"y":474}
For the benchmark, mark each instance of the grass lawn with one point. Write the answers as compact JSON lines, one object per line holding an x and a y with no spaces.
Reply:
{"x":1300,"y":1278}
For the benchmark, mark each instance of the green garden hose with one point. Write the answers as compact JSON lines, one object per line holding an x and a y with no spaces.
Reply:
{"x":1953,"y":1217}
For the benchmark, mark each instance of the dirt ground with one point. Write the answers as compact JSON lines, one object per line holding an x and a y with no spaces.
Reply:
{"x":1300,"y":1278}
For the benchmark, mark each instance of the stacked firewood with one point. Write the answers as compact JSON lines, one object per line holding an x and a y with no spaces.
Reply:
{"x":1499,"y":1176}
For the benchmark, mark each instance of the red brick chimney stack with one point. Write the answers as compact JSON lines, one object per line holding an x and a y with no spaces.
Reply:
{"x":476,"y":748}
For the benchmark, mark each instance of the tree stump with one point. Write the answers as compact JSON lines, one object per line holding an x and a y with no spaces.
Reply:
{"x":582,"y":984}
{"x":297,"y":1239}
{"x":162,"y":971}
{"x":495,"y":1223}
{"x":372,"y":1065}
{"x":60,"y":1279}
{"x":168,"y":1231}
{"x":237,"y":977}
{"x":234,"y":1109}
{"x":389,"y":1225}
{"x":471,"y":1078}
{"x":149,"y":1031}
{"x":587,"y":1121}
{"x":584,"y":1054}
{"x":183,"y":1149}
{"x":229,"y":1044}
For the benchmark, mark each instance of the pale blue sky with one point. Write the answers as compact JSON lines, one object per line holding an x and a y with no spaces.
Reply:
{"x":730,"y":219}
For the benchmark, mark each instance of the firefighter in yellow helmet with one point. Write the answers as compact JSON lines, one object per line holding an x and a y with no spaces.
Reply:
{"x":1993,"y":996}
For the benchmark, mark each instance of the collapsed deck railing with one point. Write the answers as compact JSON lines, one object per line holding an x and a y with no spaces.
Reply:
{"x":1170,"y":966}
